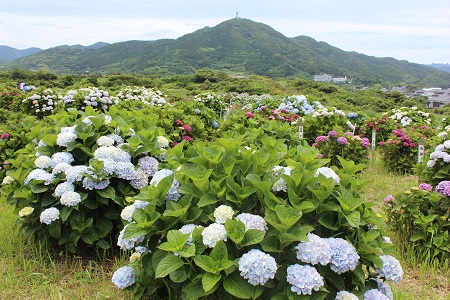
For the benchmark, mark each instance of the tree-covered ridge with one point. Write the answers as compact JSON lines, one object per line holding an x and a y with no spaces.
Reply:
{"x":234,"y":46}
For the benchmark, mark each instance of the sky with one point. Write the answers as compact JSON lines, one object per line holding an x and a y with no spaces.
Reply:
{"x":414,"y":30}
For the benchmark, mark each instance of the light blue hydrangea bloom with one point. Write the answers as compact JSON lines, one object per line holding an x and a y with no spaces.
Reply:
{"x":384,"y":288}
{"x":374,"y":294}
{"x":106,"y":152}
{"x":149,"y":165}
{"x":304,"y":279}
{"x":197,"y":111}
{"x":140,"y":180}
{"x":122,"y":156}
{"x":127,"y":212}
{"x":61,"y":157}
{"x":76,"y":173}
{"x":125,"y":170}
{"x":314,"y":251}
{"x":343,"y":255}
{"x":257,"y":267}
{"x":124,"y":277}
{"x":214,"y":124}
{"x":39,"y":174}
{"x":64,"y":187}
{"x":252,"y":221}
{"x":105,"y":141}
{"x":344,"y":295}
{"x":49,"y":215}
{"x":392,"y":270}
{"x":90,"y":184}
{"x":128,"y":244}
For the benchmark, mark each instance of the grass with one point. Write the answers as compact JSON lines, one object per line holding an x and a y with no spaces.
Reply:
{"x":28,"y":271}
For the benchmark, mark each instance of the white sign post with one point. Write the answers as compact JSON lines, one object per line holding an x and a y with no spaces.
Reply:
{"x":421,"y":151}
{"x":374,"y":139}
{"x":300,"y":130}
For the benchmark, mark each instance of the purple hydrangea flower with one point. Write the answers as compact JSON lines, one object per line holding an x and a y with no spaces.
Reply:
{"x":342,"y":140}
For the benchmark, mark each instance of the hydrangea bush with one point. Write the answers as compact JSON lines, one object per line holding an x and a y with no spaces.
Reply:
{"x":420,"y":218}
{"x":348,"y":146}
{"x":41,"y":103}
{"x":399,"y":152}
{"x":141,"y":97}
{"x":70,"y":187}
{"x":255,"y":221}
{"x":84,"y":97}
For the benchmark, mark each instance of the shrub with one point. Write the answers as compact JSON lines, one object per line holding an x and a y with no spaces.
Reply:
{"x":348,"y":146}
{"x":70,"y":188}
{"x":84,"y":97}
{"x":420,"y":219}
{"x":254,"y":221}
{"x":41,"y":103}
{"x":399,"y":152}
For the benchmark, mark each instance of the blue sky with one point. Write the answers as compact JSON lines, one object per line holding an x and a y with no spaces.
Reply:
{"x":413,"y":30}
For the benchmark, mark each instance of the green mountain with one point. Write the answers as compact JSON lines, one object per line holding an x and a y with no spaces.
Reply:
{"x":236,"y":46}
{"x":8,"y":53}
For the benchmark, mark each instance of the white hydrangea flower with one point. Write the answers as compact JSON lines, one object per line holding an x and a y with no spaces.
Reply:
{"x":64,"y":138}
{"x":43,"y":162}
{"x":431,"y":163}
{"x":105,"y":141}
{"x":49,"y":215}
{"x":304,"y":279}
{"x":252,"y":221}
{"x":64,"y":187}
{"x":222,"y":213}
{"x":7,"y":180}
{"x":60,"y":168}
{"x":26,"y":211}
{"x":328,"y":173}
{"x":70,"y":198}
{"x":344,"y":295}
{"x":188,"y":229}
{"x":214,"y":233}
{"x":163,"y":142}
{"x":281,"y":185}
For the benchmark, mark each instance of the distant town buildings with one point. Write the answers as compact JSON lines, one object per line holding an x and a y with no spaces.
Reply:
{"x":328,"y":78}
{"x":436,"y":97}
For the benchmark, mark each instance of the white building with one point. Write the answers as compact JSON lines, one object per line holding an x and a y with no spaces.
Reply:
{"x":323,"y":78}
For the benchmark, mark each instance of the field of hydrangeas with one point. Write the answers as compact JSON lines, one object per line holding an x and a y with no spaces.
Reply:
{"x":226,"y":195}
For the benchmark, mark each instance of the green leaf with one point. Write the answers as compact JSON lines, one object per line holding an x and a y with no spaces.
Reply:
{"x":235,"y":230}
{"x":252,"y":236}
{"x":353,"y":218}
{"x":219,"y":252}
{"x":167,"y":265}
{"x":207,"y":199}
{"x":240,"y":288}
{"x":108,"y":192}
{"x":55,"y":229}
{"x":419,"y":235}
{"x":209,"y":280}
{"x":206,"y":263}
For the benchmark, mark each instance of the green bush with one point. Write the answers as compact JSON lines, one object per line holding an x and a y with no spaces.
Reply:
{"x":253,"y":222}
{"x":420,"y":218}
{"x":70,"y":188}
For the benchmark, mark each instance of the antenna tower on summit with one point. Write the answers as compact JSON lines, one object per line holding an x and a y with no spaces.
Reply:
{"x":237,"y":15}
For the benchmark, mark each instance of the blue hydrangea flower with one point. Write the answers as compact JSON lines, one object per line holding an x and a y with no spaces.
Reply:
{"x":392,"y":270}
{"x":384,"y":288}
{"x":304,"y":279}
{"x":91,"y":184}
{"x":125,"y":170}
{"x":344,"y":295}
{"x":124,"y":277}
{"x":197,"y":111}
{"x":343,"y":255}
{"x":128,"y":244}
{"x":149,"y":165}
{"x":374,"y":294}
{"x":257,"y":267}
{"x":314,"y":251}
{"x":140,"y":180}
{"x":214,"y":124}
{"x":122,"y":156}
